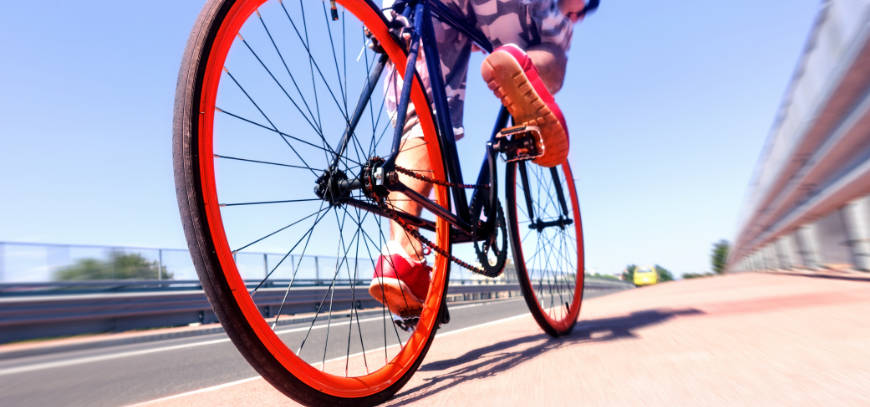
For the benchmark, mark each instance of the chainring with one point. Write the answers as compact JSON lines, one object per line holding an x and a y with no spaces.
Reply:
{"x":492,"y":251}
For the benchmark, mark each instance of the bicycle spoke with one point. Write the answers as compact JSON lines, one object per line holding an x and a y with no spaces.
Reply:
{"x":265,"y":116}
{"x":319,"y":127}
{"x":334,"y":58}
{"x":311,"y":60}
{"x":266,"y":162}
{"x":353,"y":279}
{"x":307,"y":237}
{"x":280,"y":86}
{"x":276,"y":231}
{"x":268,"y":202}
{"x":282,"y":134}
{"x":287,"y":254}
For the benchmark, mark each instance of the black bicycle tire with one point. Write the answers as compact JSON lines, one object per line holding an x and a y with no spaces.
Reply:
{"x":202,"y":250}
{"x":516,"y":247}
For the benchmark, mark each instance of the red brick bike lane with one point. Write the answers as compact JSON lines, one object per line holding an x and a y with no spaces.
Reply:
{"x":744,"y":339}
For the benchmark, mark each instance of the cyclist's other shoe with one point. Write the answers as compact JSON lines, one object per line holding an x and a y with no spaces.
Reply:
{"x":512,"y":76}
{"x":400,"y":282}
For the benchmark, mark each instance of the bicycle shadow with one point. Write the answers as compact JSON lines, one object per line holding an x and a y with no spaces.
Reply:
{"x":492,"y":359}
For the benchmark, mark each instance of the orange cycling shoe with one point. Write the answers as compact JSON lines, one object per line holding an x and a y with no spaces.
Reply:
{"x":512,"y":76}
{"x":400,"y":282}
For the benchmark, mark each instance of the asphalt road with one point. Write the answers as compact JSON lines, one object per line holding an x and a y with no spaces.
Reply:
{"x":134,"y":373}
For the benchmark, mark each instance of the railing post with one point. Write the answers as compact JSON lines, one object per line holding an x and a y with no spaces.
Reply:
{"x":855,"y":217}
{"x":772,"y":256}
{"x":784,"y":252}
{"x":316,"y":270}
{"x":808,"y":246}
{"x":159,"y":264}
{"x":266,"y":265}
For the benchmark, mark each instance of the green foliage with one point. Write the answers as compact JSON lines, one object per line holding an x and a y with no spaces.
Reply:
{"x":664,"y":274}
{"x":719,"y":257}
{"x":696,"y":275}
{"x":628,"y":273}
{"x":119,"y":266}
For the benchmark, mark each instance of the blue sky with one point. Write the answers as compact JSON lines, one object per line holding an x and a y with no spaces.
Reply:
{"x":668,"y":104}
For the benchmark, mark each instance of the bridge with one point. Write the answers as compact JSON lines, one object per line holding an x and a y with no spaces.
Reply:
{"x":808,"y":205}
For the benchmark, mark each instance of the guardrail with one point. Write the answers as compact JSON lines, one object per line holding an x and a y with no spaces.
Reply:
{"x":808,"y":199}
{"x":38,"y":316}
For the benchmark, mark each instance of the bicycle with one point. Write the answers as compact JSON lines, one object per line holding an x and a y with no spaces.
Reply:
{"x":236,"y":159}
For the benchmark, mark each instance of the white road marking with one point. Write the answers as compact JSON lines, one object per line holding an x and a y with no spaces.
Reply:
{"x":252,"y":378}
{"x":100,"y":358}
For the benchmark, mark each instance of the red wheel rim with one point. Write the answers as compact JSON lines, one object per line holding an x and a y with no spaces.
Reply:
{"x":348,"y":387}
{"x":563,"y":324}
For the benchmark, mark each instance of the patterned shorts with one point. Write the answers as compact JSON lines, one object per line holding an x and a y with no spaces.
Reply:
{"x":523,"y":22}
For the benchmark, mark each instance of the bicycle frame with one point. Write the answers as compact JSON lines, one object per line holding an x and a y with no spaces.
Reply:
{"x":464,"y":226}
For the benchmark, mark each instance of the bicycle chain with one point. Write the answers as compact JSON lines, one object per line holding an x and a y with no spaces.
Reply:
{"x":394,"y":216}
{"x":424,"y":178}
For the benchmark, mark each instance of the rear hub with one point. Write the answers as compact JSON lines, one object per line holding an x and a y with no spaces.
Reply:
{"x":332,"y":187}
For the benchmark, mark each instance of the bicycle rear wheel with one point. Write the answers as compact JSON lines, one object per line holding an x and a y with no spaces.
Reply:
{"x":266,"y":92}
{"x":546,"y":236}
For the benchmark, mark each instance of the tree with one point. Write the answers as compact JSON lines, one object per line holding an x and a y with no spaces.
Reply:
{"x":119,"y":266}
{"x":628,"y":273}
{"x":719,"y":257}
{"x":664,"y":274}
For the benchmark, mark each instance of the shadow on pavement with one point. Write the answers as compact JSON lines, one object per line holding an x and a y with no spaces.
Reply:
{"x":495,"y":358}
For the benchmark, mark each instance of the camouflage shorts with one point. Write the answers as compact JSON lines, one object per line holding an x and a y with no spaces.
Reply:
{"x":523,"y":22}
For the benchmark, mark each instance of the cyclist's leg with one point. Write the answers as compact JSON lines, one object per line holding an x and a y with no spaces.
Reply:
{"x":454,"y":50}
{"x":413,"y":156}
{"x":550,"y":60}
{"x":523,"y":80}
{"x":400,"y":279}
{"x":550,"y":52}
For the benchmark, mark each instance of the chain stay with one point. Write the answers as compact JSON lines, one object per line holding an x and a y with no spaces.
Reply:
{"x":394,"y":216}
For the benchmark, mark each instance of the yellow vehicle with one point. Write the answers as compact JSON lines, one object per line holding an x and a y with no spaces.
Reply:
{"x":645,"y":276}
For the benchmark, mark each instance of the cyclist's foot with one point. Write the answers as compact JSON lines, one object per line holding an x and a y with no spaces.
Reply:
{"x":512,"y":76}
{"x":400,"y":282}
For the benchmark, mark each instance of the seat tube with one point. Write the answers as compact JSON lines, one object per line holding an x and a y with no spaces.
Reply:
{"x":405,"y":99}
{"x":442,"y":111}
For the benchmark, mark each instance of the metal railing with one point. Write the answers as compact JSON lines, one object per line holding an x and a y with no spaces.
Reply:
{"x":183,"y":302}
{"x":816,"y":160}
{"x":27,"y":262}
{"x":34,"y":304}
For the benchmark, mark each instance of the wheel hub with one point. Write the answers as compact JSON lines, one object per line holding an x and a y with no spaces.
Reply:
{"x":332,"y":187}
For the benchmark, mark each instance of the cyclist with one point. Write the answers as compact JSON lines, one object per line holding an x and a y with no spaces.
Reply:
{"x":530,"y":40}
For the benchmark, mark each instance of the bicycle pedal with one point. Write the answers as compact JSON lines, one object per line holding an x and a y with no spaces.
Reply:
{"x":405,"y":324}
{"x":519,"y":143}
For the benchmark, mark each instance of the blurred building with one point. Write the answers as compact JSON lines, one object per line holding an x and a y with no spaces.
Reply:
{"x":808,"y":204}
